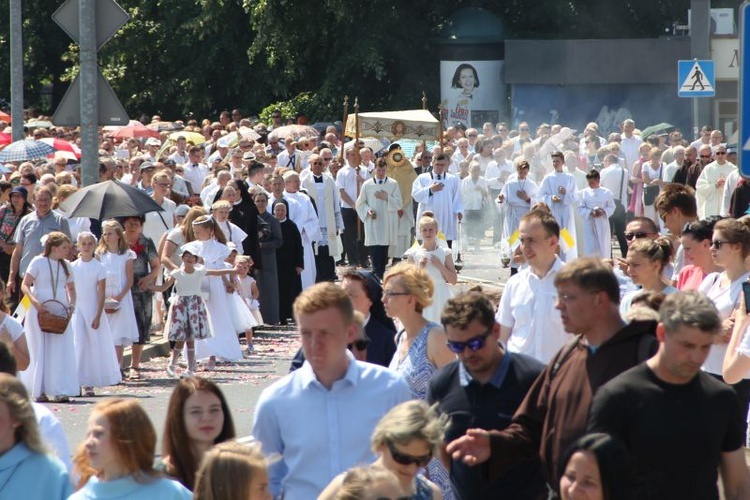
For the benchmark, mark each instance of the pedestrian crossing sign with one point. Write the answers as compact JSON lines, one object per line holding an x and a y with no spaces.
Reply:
{"x":696,"y":78}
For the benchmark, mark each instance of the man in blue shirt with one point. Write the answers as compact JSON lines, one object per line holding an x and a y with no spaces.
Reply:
{"x":483,"y":389}
{"x":320,"y":418}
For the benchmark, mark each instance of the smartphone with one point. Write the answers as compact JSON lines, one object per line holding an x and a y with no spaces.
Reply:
{"x":746,"y":293}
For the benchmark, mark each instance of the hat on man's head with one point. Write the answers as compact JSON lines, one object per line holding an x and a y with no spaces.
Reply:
{"x":248,"y":156}
{"x":147,"y":164}
{"x":153,"y":141}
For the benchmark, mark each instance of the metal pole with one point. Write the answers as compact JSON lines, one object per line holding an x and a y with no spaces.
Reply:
{"x":16,"y":70}
{"x":700,"y":35}
{"x":89,"y":100}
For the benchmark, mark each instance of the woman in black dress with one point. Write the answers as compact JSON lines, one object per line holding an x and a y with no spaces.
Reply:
{"x":291,"y":256}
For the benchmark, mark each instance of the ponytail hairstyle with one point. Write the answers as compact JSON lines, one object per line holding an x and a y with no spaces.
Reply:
{"x":54,"y":240}
{"x":658,"y":250}
{"x":209,"y":222}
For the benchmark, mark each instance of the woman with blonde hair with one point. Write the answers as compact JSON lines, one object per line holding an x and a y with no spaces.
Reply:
{"x":405,"y":440}
{"x":233,"y":471}
{"x":27,"y":469}
{"x":48,"y":283}
{"x":116,"y":460}
{"x":421,"y":344}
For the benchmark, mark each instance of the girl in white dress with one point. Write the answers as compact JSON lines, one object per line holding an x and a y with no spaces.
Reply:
{"x":233,"y":233}
{"x":242,"y":317}
{"x":117,"y":258}
{"x":437,"y":262}
{"x":53,"y":369}
{"x":95,"y":351}
{"x":188,"y":318}
{"x":210,"y":246}
{"x":248,"y":288}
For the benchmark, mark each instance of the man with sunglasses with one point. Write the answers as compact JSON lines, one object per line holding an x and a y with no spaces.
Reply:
{"x":710,"y":186}
{"x":483,"y":389}
{"x":555,"y":412}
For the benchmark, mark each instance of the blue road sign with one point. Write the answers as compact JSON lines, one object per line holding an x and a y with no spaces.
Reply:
{"x":696,"y":78}
{"x":743,"y":136}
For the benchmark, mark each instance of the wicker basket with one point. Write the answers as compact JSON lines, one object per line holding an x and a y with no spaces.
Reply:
{"x":50,"y":322}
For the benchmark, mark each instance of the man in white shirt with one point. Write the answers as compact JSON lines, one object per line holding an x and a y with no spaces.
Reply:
{"x":349,"y":181}
{"x":289,"y":157}
{"x":152,"y":147}
{"x":195,"y":171}
{"x":630,"y":143}
{"x":615,"y":178}
{"x":529,"y":322}
{"x":180,"y":155}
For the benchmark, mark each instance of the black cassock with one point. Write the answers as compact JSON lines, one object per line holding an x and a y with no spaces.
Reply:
{"x":289,"y":256}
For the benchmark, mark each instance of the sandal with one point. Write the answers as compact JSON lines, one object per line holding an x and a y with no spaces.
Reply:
{"x":135,"y":373}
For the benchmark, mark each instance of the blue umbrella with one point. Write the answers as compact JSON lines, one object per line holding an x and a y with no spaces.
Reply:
{"x":25,"y":150}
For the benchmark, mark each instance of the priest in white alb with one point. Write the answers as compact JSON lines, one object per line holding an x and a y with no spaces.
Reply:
{"x":596,"y":205}
{"x":440,"y":192}
{"x":558,"y":191}
{"x":377,"y":206}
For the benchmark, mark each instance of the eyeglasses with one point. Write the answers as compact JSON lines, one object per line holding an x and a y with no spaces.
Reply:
{"x":389,"y":293}
{"x":317,"y":163}
{"x":359,"y":345}
{"x":638,"y":235}
{"x":404,"y":459}
{"x":327,"y":159}
{"x":474,"y":343}
{"x":707,"y":157}
{"x":720,"y":153}
{"x":163,"y":184}
{"x":717,"y":244}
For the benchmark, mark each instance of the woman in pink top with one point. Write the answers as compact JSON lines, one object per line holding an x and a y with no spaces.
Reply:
{"x":696,"y":245}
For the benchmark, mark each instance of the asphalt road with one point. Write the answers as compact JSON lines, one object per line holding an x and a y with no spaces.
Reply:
{"x":241,"y":382}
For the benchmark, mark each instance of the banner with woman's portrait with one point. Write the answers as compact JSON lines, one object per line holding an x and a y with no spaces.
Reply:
{"x":472,"y":92}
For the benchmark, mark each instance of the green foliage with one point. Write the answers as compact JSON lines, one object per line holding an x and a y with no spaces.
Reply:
{"x":302,"y":104}
{"x":183,"y":58}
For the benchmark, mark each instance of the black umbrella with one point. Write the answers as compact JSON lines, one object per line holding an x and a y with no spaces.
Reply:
{"x":107,"y":200}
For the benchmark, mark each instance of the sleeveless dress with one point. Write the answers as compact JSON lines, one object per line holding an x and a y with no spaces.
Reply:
{"x":417,"y":370}
{"x":442,"y":291}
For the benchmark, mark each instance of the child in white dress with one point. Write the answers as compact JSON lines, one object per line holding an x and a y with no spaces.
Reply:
{"x":242,"y":317}
{"x":117,"y":258}
{"x":188,"y":318}
{"x":248,"y":288}
{"x":95,"y":351}
{"x":437,"y":262}
{"x":210,"y":246}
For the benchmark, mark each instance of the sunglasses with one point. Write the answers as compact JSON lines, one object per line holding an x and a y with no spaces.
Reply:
{"x":717,"y":244}
{"x":359,"y":345}
{"x":404,"y":459}
{"x":707,"y":157}
{"x":638,"y":235}
{"x":474,"y":343}
{"x":720,"y":153}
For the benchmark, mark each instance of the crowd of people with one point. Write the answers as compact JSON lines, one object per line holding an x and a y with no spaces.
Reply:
{"x":614,"y":364}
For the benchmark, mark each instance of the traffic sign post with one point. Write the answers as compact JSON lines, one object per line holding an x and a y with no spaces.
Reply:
{"x":695,"y":78}
{"x":89,"y":101}
{"x":743,"y":136}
